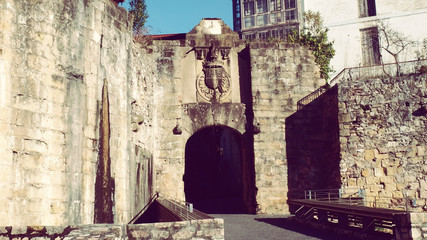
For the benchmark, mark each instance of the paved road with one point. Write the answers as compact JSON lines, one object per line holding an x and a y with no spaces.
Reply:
{"x":268,"y":227}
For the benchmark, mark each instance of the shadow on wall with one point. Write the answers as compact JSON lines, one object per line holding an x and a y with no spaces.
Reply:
{"x":313,"y":147}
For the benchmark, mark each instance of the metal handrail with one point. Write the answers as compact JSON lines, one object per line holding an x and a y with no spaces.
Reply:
{"x":312,"y":96}
{"x":358,"y":197}
{"x":388,"y":69}
{"x":152,"y":199}
{"x":183,"y":210}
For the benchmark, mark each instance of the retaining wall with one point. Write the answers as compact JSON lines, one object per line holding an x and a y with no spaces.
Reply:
{"x":208,"y":229}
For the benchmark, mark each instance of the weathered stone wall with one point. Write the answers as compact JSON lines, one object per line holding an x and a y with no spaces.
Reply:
{"x":168,"y":149}
{"x":54,"y":57}
{"x":209,"y":229}
{"x":281,"y":75}
{"x":68,"y":66}
{"x":177,"y":102}
{"x":277,"y":76}
{"x":384,"y":139}
{"x":141,"y":170}
{"x":418,"y":226}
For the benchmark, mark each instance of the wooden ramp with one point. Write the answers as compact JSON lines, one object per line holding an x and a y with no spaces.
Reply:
{"x":375,"y":222}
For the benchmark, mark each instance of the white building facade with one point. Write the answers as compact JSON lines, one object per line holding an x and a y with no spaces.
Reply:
{"x":353,"y":25}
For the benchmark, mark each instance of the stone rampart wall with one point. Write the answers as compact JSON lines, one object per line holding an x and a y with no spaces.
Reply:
{"x":383,"y":140}
{"x":54,"y":59}
{"x":281,"y":75}
{"x":209,"y":229}
{"x":168,"y":148}
{"x":141,"y":169}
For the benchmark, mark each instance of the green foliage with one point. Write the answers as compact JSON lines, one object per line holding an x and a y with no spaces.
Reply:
{"x":138,"y":8}
{"x":316,"y":38}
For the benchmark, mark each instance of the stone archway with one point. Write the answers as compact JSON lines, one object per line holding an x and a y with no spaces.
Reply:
{"x":214,"y":179}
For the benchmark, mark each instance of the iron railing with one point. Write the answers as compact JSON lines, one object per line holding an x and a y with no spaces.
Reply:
{"x":312,"y":96}
{"x":340,"y":196}
{"x":152,"y":199}
{"x":356,"y":196}
{"x":384,"y":70}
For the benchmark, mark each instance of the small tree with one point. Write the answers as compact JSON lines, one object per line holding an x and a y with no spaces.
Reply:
{"x":393,"y":42}
{"x":138,"y":8}
{"x":315,"y":36}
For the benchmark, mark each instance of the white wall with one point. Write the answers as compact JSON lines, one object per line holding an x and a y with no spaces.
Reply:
{"x":342,"y":19}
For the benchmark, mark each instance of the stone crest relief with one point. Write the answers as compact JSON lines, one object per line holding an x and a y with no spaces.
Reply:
{"x":213,"y":83}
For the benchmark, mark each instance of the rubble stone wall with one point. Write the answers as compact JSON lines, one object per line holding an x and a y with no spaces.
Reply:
{"x":383,"y":138}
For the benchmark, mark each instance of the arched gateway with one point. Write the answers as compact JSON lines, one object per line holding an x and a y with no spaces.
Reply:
{"x":214,"y":170}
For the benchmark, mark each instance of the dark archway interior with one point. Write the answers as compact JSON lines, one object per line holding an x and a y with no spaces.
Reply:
{"x":213,"y":179}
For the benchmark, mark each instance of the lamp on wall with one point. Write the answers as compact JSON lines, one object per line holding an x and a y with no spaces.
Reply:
{"x":256,"y":128}
{"x":177,"y":129}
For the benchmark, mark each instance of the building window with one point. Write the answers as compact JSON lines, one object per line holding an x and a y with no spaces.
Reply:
{"x":237,"y":25}
{"x":250,"y":37}
{"x":275,"y":5}
{"x":275,"y":34}
{"x":367,"y":8}
{"x":290,"y":4}
{"x":276,"y":17}
{"x":261,"y":20}
{"x":249,"y":8}
{"x":291,"y":15}
{"x":285,"y":32}
{"x":249,"y":22}
{"x":290,"y":10}
{"x":261,"y":6}
{"x":370,"y":46}
{"x":263,"y":35}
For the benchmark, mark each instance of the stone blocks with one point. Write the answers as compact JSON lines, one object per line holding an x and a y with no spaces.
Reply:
{"x":385,"y":136}
{"x":51,"y":106}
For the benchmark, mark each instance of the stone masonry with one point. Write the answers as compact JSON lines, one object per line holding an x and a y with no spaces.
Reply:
{"x":58,"y":129}
{"x":56,"y":57}
{"x":281,"y":75}
{"x":384,"y":139}
{"x":268,"y":78}
{"x":209,"y":229}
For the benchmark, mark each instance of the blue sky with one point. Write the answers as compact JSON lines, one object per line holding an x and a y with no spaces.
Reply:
{"x":180,"y":16}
